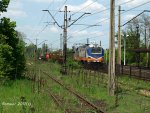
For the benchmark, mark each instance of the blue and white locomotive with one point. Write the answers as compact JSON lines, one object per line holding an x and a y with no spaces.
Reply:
{"x":89,"y":53}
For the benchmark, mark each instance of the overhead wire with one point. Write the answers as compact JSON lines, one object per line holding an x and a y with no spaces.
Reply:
{"x":47,"y":23}
{"x":52,"y":2}
{"x":107,"y":9}
{"x":33,"y":33}
{"x":70,"y":42}
{"x":42,"y":18}
{"x":104,"y":11}
{"x":115,"y":15}
{"x":42,"y":30}
{"x":108,"y":18}
{"x":84,"y":7}
{"x":135,"y":7}
{"x":37,"y":34}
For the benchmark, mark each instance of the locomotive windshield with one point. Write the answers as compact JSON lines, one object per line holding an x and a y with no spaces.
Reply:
{"x":96,"y":50}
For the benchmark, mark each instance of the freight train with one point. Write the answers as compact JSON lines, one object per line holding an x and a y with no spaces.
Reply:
{"x":54,"y":56}
{"x":84,"y":53}
{"x":89,"y":53}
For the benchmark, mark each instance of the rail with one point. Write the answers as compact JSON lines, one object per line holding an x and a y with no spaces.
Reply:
{"x":76,"y":94}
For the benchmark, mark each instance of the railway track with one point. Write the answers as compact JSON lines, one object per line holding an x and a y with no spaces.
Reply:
{"x":57,"y":101}
{"x":72,"y":91}
{"x":131,"y":71}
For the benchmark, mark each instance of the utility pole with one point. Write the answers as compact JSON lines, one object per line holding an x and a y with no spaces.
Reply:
{"x":119,"y":37}
{"x":106,"y":56}
{"x":36,"y":49}
{"x":148,"y":55}
{"x":65,"y":40}
{"x":124,"y":49}
{"x":138,"y":35}
{"x":138,"y":46}
{"x":64,"y":68}
{"x":87,"y":40}
{"x":61,"y":41}
{"x":35,"y":73}
{"x":111,"y":71}
{"x":145,"y":38}
{"x":148,"y":44}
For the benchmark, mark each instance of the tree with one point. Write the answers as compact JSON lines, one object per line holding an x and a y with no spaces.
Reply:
{"x":14,"y":40}
{"x":4,"y":5}
{"x":135,"y":39}
{"x":6,"y":58}
{"x":20,"y":56}
{"x":30,"y":51}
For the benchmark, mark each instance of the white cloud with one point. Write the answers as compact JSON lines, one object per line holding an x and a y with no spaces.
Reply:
{"x":37,"y":31}
{"x":28,"y":29}
{"x":15,"y":10}
{"x":78,"y":33}
{"x":15,"y":13}
{"x":45,"y":1}
{"x":103,"y":21}
{"x":133,"y":2}
{"x":88,"y":5}
{"x":54,"y":29}
{"x":128,"y":17}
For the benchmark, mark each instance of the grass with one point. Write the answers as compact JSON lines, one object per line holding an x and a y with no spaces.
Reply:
{"x":10,"y":99}
{"x":91,"y":87}
{"x":128,"y":99}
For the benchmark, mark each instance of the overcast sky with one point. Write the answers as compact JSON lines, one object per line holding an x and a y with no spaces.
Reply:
{"x":32,"y":21}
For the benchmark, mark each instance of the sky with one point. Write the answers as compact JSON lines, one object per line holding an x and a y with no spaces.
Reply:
{"x":35,"y":23}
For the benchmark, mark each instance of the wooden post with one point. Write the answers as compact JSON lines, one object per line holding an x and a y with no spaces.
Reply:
{"x":111,"y":71}
{"x":119,"y":36}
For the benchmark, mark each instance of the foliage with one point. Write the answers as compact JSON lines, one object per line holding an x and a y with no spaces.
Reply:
{"x":13,"y":44}
{"x":93,"y":86}
{"x":29,"y":50}
{"x":6,"y":60}
{"x":70,"y":61}
{"x":4,"y":5}
{"x":12,"y":91}
{"x":135,"y":39}
{"x":20,"y":57}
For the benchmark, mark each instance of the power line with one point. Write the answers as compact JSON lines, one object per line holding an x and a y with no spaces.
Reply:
{"x":135,"y":17}
{"x":115,"y":15}
{"x":115,"y":6}
{"x":105,"y":10}
{"x":108,"y":8}
{"x":78,"y":19}
{"x":33,"y":33}
{"x":51,"y":2}
{"x":41,"y":31}
{"x":41,"y":21}
{"x":60,"y":7}
{"x":135,"y":7}
{"x":84,"y":8}
{"x":53,"y":17}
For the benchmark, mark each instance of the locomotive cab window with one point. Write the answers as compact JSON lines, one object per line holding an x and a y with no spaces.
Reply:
{"x":96,"y":50}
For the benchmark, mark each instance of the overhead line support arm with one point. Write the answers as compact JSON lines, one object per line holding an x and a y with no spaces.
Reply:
{"x":52,"y":17}
{"x":78,"y":19}
{"x":135,"y":17}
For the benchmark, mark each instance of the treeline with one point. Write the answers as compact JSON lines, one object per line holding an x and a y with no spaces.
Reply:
{"x":135,"y":36}
{"x":12,"y":60}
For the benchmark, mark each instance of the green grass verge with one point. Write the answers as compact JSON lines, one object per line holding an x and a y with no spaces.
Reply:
{"x":129,"y":100}
{"x":12,"y":92}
